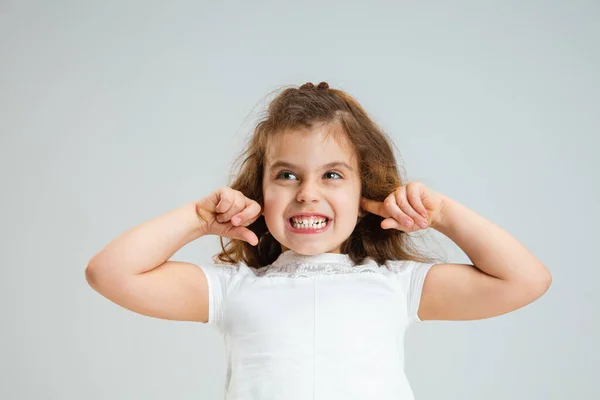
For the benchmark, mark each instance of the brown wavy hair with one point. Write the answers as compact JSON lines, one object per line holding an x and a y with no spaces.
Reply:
{"x":306,"y":106}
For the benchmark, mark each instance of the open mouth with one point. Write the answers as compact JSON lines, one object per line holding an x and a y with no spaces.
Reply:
{"x":309,"y":227}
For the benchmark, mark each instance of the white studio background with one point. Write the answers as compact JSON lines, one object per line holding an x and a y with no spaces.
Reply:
{"x":114,"y":112}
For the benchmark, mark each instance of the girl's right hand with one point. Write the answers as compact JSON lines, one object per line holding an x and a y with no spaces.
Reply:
{"x":219,"y":212}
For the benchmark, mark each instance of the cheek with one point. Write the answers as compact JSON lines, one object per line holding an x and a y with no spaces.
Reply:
{"x":273,"y":207}
{"x":271,"y":202}
{"x":271,"y":193}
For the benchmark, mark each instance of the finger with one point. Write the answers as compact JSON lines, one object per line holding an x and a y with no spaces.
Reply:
{"x":390,"y":223}
{"x":373,"y":206}
{"x":224,"y":201}
{"x":396,"y":212}
{"x":406,"y":206}
{"x":244,"y":234}
{"x":248,"y":215}
{"x":414,"y":198}
{"x":237,"y":204}
{"x":406,"y":199}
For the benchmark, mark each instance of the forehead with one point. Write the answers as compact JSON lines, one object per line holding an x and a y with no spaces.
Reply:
{"x":309,"y":147}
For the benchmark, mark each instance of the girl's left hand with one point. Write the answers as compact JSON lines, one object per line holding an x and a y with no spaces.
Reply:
{"x":408,"y":207}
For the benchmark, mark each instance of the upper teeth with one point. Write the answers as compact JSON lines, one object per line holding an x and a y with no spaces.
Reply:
{"x":308,"y":220}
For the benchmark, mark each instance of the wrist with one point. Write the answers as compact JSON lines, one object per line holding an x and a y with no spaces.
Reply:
{"x":441,"y":220}
{"x":197,"y":223}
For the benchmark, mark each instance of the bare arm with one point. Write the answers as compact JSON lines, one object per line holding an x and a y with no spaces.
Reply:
{"x":133,"y":272}
{"x":148,"y":245}
{"x":505,"y":275}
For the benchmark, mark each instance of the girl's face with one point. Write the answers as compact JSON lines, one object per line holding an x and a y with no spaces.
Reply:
{"x":298,"y":180}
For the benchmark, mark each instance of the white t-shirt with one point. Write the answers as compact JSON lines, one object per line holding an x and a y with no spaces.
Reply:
{"x":315,"y":326}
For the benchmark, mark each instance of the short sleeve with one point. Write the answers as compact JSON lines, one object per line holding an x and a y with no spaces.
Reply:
{"x":411,"y":275}
{"x":219,"y":278}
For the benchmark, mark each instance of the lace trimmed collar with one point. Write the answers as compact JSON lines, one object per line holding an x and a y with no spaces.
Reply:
{"x":290,"y":257}
{"x":290,"y":264}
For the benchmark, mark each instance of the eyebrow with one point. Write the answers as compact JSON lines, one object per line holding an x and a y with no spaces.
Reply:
{"x":333,"y":164}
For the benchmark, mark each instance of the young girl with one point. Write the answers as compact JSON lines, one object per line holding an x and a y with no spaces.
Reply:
{"x":319,"y":281}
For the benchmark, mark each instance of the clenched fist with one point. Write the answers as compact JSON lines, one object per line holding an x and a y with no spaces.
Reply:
{"x":226,"y":212}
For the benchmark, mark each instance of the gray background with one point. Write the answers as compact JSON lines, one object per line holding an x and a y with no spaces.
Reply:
{"x":114,"y":112}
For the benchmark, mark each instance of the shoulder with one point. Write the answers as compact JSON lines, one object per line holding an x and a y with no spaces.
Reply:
{"x":223,"y":269}
{"x":406,"y":267}
{"x":411,"y":274}
{"x":225,"y":274}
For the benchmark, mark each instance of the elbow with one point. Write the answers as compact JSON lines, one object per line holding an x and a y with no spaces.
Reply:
{"x":536,"y":285}
{"x":547,"y":281}
{"x":543,"y":283}
{"x":90,"y":275}
{"x":93,"y":274}
{"x":545,"y":278}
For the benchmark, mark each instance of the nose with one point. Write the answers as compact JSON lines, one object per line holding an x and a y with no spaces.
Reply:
{"x":308,"y":193}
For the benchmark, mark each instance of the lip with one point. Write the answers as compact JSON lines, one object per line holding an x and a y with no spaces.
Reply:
{"x":309,"y":215}
{"x":289,"y":225}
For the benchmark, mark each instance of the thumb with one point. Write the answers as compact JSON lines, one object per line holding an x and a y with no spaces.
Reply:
{"x":245,"y":234}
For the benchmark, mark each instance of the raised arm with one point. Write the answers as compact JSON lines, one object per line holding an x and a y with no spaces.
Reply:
{"x":133,"y":270}
{"x":504,"y":275}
